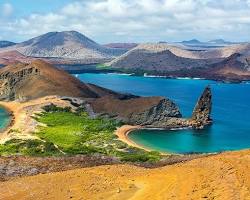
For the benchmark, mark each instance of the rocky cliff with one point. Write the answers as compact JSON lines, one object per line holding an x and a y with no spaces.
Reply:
{"x":9,"y":81}
{"x":137,"y":111}
{"x":202,"y":112}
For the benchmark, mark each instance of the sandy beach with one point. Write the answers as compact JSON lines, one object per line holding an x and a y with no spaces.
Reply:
{"x":123,"y":132}
{"x":22,"y":124}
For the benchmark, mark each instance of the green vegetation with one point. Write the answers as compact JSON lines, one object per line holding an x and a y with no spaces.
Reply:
{"x":101,"y":66}
{"x":29,"y":147}
{"x":74,"y":133}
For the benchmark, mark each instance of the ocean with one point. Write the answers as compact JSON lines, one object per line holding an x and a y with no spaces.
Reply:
{"x":231,"y":112}
{"x":4,"y":118}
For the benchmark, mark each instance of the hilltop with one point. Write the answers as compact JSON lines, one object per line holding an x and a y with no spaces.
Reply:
{"x":38,"y":79}
{"x":65,"y":45}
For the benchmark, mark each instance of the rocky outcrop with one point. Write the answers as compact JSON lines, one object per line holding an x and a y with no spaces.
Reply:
{"x":202,"y":112}
{"x":137,"y":111}
{"x":162,"y":111}
{"x":9,"y":80}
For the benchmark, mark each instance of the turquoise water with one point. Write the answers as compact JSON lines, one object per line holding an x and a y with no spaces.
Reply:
{"x":231,"y":112}
{"x":4,"y":118}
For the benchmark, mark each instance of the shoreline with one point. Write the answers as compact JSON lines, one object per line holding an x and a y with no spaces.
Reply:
{"x":123,"y":132}
{"x":11,"y":120}
{"x":115,"y":71}
{"x":22,"y":123}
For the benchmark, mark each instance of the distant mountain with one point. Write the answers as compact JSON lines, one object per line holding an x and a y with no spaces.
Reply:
{"x":6,"y":44}
{"x":225,"y":63}
{"x":193,"y":42}
{"x":219,"y":41}
{"x":205,"y":45}
{"x":121,"y":45}
{"x":159,"y":58}
{"x":67,"y":45}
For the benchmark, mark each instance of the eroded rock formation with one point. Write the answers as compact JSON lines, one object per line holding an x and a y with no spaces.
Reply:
{"x":137,"y":111}
{"x":202,"y":112}
{"x":9,"y":80}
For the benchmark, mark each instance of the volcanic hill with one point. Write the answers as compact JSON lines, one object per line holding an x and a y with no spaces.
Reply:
{"x":65,"y":45}
{"x":39,"y":79}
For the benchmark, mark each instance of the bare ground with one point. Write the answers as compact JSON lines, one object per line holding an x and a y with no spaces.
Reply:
{"x":225,"y":176}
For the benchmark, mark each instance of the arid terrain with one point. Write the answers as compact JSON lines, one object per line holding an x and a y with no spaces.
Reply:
{"x":220,"y":177}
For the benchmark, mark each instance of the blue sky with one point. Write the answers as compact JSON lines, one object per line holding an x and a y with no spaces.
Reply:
{"x":26,"y":7}
{"x":127,"y":20}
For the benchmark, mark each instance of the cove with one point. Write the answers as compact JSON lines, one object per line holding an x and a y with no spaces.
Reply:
{"x":4,"y":118}
{"x":231,"y":112}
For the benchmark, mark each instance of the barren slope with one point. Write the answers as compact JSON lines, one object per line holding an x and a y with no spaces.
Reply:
{"x":67,"y":45}
{"x":219,"y":177}
{"x":38,"y":79}
{"x":161,"y":58}
{"x":227,"y":63}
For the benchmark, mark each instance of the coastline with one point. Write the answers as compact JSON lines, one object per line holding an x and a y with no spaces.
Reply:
{"x":148,"y":75}
{"x":22,"y":123}
{"x":11,"y":120}
{"x":123,"y":132}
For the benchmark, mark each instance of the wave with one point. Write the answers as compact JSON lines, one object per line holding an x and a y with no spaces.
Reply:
{"x":123,"y":74}
{"x":172,"y":77}
{"x":154,"y":76}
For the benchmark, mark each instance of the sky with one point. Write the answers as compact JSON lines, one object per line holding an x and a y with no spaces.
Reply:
{"x":107,"y":21}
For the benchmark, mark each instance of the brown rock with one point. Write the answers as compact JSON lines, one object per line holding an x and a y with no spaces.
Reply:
{"x":202,"y":111}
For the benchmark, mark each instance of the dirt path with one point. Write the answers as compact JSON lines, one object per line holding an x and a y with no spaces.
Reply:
{"x":225,"y":176}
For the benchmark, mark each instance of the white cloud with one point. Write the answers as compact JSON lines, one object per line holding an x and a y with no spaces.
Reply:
{"x":142,"y":20}
{"x":7,"y":9}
